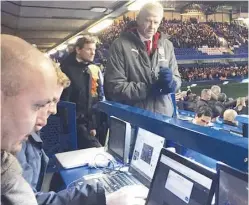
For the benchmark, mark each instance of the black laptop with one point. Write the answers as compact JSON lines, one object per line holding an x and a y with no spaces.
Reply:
{"x":232,"y":186}
{"x":179,"y":181}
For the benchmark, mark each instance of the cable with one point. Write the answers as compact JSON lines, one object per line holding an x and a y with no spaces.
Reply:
{"x":95,"y":165}
{"x":106,"y":170}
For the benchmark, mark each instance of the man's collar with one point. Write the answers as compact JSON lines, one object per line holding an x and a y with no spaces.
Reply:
{"x":79,"y":60}
{"x":143,"y":38}
{"x":36,"y":136}
{"x":204,"y":100}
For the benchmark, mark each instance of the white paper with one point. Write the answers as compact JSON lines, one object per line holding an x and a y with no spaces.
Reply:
{"x":179,"y":186}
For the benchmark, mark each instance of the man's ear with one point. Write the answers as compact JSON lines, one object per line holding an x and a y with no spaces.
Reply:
{"x":77,"y":49}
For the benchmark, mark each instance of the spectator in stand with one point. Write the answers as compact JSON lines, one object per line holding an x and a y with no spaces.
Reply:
{"x":219,"y":106}
{"x":233,"y":33}
{"x":221,"y":72}
{"x":205,"y":98}
{"x":190,"y":34}
{"x":203,"y":116}
{"x":241,"y":107}
{"x":229,"y":117}
{"x":215,"y":91}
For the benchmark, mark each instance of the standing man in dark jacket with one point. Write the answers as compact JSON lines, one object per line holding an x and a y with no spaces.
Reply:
{"x":133,"y":73}
{"x":86,"y":89}
{"x":205,"y":98}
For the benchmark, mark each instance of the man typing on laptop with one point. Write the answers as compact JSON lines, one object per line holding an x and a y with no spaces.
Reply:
{"x":34,"y":168}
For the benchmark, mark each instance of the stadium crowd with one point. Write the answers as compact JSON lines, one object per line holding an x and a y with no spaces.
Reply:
{"x":233,"y":33}
{"x":190,"y":34}
{"x":213,"y":103}
{"x":187,"y":34}
{"x":211,"y":72}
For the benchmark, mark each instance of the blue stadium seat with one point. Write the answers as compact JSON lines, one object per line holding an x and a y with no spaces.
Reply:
{"x":60,"y":135}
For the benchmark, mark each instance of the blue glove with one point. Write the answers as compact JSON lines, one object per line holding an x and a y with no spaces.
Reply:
{"x":156,"y":89}
{"x":165,"y":75}
{"x":166,"y":81}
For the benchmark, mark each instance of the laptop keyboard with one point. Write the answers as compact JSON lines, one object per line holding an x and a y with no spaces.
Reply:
{"x":112,"y":183}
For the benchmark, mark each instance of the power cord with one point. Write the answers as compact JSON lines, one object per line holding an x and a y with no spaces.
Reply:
{"x":105,"y":170}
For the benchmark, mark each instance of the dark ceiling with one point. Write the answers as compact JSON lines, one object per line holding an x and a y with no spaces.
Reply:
{"x":49,"y":23}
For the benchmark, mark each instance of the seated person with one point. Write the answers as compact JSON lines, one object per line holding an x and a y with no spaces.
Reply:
{"x":203,"y":116}
{"x":219,"y":106}
{"x":241,"y":107}
{"x":32,"y":156}
{"x":34,"y":162}
{"x":229,"y":117}
{"x":205,"y":99}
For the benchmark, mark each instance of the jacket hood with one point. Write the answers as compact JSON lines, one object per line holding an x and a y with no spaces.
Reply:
{"x":71,"y":58}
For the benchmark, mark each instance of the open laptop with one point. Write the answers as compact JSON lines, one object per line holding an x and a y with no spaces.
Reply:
{"x":179,"y":181}
{"x":118,"y":148}
{"x":145,"y":156}
{"x":119,"y":139}
{"x":232,"y":186}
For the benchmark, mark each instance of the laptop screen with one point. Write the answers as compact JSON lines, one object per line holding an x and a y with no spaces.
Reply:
{"x":119,"y":139}
{"x":232,"y":190}
{"x":145,"y":156}
{"x":175,"y":183}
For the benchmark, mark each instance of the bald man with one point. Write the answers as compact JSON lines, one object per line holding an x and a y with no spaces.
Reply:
{"x":229,"y":117}
{"x":28,"y":83}
{"x":142,"y":70}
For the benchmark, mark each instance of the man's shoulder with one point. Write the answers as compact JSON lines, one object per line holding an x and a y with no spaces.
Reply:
{"x":68,"y":61}
{"x":123,"y":37}
{"x":126,"y":36}
{"x":165,"y":40}
{"x":9,"y":166}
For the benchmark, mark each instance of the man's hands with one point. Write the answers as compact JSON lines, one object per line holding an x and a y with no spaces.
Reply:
{"x":128,"y":195}
{"x":165,"y":83}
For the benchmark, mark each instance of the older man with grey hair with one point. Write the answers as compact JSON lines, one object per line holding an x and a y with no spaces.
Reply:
{"x":215,"y":91}
{"x":142,"y":70}
{"x":205,"y":98}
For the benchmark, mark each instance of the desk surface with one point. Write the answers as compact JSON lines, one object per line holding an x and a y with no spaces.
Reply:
{"x":243,"y":118}
{"x":70,"y":175}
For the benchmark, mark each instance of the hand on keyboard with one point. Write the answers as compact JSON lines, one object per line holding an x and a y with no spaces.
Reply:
{"x":128,"y":195}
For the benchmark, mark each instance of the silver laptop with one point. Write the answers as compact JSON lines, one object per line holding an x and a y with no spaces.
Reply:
{"x":144,"y":160}
{"x":117,"y":149}
{"x":119,"y":139}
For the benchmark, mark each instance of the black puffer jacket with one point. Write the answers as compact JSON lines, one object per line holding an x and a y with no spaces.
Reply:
{"x":80,"y":89}
{"x":130,"y":71}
